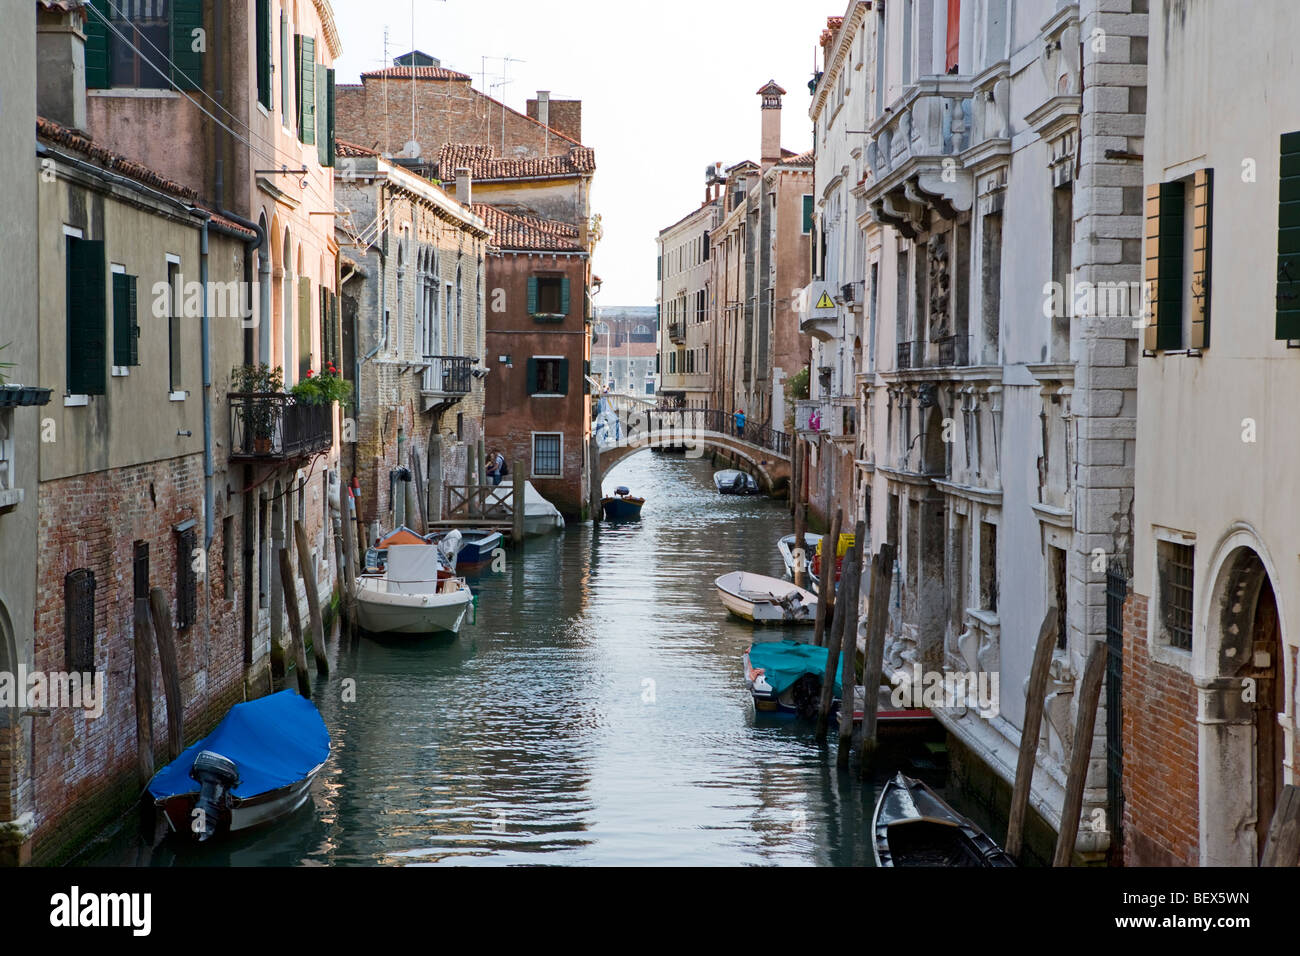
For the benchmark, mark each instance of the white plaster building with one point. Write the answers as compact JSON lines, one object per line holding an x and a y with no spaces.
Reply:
{"x":685,"y":317}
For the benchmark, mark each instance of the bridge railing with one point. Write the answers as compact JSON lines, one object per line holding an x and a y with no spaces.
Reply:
{"x":684,"y":420}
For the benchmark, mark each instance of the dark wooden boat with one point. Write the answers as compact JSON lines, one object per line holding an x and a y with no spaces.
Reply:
{"x":912,"y":826}
{"x":622,"y":505}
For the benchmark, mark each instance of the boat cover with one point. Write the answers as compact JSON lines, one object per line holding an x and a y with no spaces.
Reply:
{"x":275,"y":741}
{"x":784,"y":662}
{"x":413,"y":568}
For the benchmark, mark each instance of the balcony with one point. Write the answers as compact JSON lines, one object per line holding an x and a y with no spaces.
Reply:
{"x":811,"y":416}
{"x":273,"y":426}
{"x":677,"y":332}
{"x":447,"y":377}
{"x":904,"y":355}
{"x":952,"y":350}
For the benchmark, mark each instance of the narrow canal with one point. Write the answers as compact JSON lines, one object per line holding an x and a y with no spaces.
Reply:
{"x":593,"y":714}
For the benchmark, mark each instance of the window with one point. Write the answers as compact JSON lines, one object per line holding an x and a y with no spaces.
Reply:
{"x":286,"y":74}
{"x":1288,"y":240}
{"x":548,"y":375}
{"x":79,"y":620}
{"x":126,"y":329}
{"x":87,"y":316}
{"x":140,"y":570}
{"x":807,"y":214}
{"x":264,"y":52}
{"x":988,"y":566}
{"x":1062,"y":255}
{"x":547,"y":454}
{"x":991,"y":284}
{"x":548,"y":295}
{"x":1056,"y":565}
{"x":186,"y":578}
{"x":304,"y":58}
{"x":175,"y":347}
{"x":144,"y":34}
{"x":954,"y":36}
{"x":1174,"y":569}
{"x":1178,"y":263}
{"x":304,"y":326}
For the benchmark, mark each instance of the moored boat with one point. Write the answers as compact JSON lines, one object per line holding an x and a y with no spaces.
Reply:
{"x":765,"y":600}
{"x":540,"y":516}
{"x":477,"y":545}
{"x":416,"y":594}
{"x":256,"y":767}
{"x":622,"y":505}
{"x":912,"y":826}
{"x":787,"y":549}
{"x":730,"y":481}
{"x":786,"y":677}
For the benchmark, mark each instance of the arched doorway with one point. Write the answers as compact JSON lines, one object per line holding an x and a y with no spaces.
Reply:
{"x":1242,"y":696}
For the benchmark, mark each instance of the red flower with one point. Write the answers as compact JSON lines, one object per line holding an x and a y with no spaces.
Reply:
{"x":309,"y":373}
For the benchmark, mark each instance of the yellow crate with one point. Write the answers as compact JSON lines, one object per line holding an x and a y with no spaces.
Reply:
{"x":846,"y":541}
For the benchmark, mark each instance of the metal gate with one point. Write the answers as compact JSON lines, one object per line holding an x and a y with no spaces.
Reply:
{"x":1116,"y":592}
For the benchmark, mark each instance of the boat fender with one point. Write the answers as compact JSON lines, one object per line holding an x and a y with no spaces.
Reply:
{"x":216,"y":776}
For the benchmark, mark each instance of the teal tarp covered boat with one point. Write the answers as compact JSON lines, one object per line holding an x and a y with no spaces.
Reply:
{"x":784,"y":662}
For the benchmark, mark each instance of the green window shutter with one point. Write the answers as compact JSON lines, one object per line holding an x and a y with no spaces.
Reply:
{"x":322,"y":116}
{"x":1288,"y":239}
{"x":1202,"y":238}
{"x":305,"y":59}
{"x":532,"y":376}
{"x":564,"y":296}
{"x":96,"y":45}
{"x":1164,"y":266}
{"x":564,"y":373}
{"x":329,"y":125}
{"x":304,"y":327}
{"x":336,"y":332}
{"x":87,"y":324}
{"x":532,"y":295}
{"x":187,"y":16}
{"x":286,"y":73}
{"x":126,"y":331}
{"x":264,"y":52}
{"x":807,"y":214}
{"x":586,"y":381}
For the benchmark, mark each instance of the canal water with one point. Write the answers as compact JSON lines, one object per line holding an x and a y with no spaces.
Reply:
{"x":594,"y":713}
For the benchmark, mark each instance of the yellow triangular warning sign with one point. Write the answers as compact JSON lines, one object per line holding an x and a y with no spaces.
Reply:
{"x":825,"y":302}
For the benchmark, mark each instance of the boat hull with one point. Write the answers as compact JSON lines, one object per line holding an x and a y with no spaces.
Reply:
{"x":383,"y":613}
{"x":913,"y":826}
{"x":754,"y":598}
{"x":786,"y":547}
{"x":731,"y":481}
{"x":478,"y":547}
{"x":622,"y":509}
{"x":246,"y":814}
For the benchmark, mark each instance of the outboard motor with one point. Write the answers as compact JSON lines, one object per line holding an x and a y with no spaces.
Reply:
{"x":449,"y":548}
{"x":217,"y":776}
{"x":622,"y":491}
{"x":739,"y":483}
{"x":807,"y":693}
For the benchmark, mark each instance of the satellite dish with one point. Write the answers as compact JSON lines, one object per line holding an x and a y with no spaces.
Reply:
{"x":411,"y":150}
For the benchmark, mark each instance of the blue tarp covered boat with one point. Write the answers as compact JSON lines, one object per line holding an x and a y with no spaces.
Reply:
{"x":255,"y":767}
{"x":786,"y":676}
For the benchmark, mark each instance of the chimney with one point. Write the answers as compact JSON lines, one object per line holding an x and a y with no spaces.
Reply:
{"x":464,"y":185}
{"x":544,"y":107}
{"x":771,"y":146}
{"x":61,"y":52}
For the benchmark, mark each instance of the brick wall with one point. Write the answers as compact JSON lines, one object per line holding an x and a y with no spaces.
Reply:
{"x":1160,"y":753}
{"x":82,"y":769}
{"x":446,"y":112}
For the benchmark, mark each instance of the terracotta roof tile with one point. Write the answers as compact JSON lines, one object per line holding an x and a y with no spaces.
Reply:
{"x":484,"y":165}
{"x":803,"y":159}
{"x":52,"y":132}
{"x":421,"y":73}
{"x":344,"y":148}
{"x":516,"y":231}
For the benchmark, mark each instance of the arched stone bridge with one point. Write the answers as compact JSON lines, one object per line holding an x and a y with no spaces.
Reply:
{"x":758,"y":448}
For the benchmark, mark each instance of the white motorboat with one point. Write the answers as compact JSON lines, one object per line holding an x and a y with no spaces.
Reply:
{"x":731,"y":481}
{"x":540,"y":516}
{"x":416,"y":594}
{"x":787,"y":549}
{"x":764,"y":600}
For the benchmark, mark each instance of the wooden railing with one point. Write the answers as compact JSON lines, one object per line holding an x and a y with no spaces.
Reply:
{"x":489,"y":502}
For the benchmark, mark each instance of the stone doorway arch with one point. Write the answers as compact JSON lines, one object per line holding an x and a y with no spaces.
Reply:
{"x":1242,"y":686}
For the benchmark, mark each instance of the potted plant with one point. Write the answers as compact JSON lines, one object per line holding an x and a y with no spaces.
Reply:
{"x":258,"y":414}
{"x":323,"y":389}
{"x":13,"y":394}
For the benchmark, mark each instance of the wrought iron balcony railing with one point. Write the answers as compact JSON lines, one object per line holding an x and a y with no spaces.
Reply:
{"x":448,"y":375}
{"x":904,"y":355}
{"x":677,"y":331}
{"x":274,"y":426}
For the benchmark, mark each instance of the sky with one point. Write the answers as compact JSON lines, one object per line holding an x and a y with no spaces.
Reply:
{"x":668,"y":88}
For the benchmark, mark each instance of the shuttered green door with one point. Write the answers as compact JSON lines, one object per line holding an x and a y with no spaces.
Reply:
{"x":1288,"y":239}
{"x":305,"y":61}
{"x":563,"y":374}
{"x":532,"y":376}
{"x":189,"y":43}
{"x":126,"y":331}
{"x":87,"y":324}
{"x":532,"y":295}
{"x":96,"y":45}
{"x":564,"y":296}
{"x":329,"y":126}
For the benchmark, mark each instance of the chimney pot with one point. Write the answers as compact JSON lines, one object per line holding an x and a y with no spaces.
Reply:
{"x":464,"y":185}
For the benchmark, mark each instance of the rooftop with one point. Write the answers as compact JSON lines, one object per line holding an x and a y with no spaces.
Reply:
{"x":528,"y":233}
{"x":483,"y":164}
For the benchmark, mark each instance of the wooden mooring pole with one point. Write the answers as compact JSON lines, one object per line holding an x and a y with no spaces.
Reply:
{"x":171,"y":673}
{"x":1282,"y":847}
{"x":826,"y":579}
{"x":349,"y":560}
{"x":873,"y":663}
{"x":313,"y":599}
{"x":295,"y":624}
{"x":850,"y":608}
{"x":1089,"y":694}
{"x":517,"y":505}
{"x":1034,"y":699}
{"x":838,"y":639}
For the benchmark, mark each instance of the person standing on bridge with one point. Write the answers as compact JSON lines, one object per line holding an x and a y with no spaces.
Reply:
{"x":740,"y":423}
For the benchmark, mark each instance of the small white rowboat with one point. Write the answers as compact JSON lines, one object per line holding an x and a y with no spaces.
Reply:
{"x":764,"y":600}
